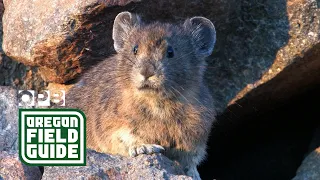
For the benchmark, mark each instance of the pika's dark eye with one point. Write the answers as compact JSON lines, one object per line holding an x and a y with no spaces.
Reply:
{"x":135,"y":49}
{"x":170,"y":52}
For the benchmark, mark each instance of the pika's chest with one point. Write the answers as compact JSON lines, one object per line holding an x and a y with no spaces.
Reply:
{"x":180,"y":131}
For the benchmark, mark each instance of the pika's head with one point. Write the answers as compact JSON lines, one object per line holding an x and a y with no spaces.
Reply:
{"x":159,"y":58}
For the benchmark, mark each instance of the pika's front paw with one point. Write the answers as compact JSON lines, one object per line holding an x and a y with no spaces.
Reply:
{"x":145,"y":149}
{"x":193,"y":172}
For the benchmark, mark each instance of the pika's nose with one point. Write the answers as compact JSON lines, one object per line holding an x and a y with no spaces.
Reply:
{"x":147,"y":70}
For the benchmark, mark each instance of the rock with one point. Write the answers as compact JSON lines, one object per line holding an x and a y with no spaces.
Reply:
{"x":13,"y":73}
{"x":310,"y":168}
{"x":60,"y":36}
{"x":12,"y":168}
{"x":8,"y":119}
{"x":103,"y":166}
{"x":285,"y":45}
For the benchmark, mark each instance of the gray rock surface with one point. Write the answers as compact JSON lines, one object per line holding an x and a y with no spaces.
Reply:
{"x":310,"y":168}
{"x":14,"y":73}
{"x":284,"y":44}
{"x":103,"y":166}
{"x":12,"y":168}
{"x":8,"y":119}
{"x":11,"y":72}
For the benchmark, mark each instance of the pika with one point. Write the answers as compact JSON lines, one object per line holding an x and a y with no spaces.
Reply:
{"x":150,"y":97}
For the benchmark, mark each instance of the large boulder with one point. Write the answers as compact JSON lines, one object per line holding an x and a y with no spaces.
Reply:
{"x":103,"y":166}
{"x":8,"y":119}
{"x":14,"y":73}
{"x":60,"y":36}
{"x":11,"y":72}
{"x":12,"y":168}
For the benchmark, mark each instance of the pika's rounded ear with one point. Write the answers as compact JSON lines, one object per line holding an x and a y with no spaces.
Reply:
{"x":123,"y":22}
{"x":203,"y":34}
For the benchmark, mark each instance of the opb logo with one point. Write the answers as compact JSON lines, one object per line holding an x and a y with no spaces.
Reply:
{"x":29,"y":98}
{"x":54,"y":137}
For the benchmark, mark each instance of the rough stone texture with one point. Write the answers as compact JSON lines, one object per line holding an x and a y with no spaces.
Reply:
{"x":8,"y":119}
{"x":60,"y":36}
{"x":12,"y":168}
{"x":310,"y":168}
{"x":103,"y":166}
{"x":13,"y":73}
{"x":294,"y":68}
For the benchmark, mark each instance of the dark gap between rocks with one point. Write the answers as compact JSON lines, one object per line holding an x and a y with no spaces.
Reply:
{"x":269,"y":145}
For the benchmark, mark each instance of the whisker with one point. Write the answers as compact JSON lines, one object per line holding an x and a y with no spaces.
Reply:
{"x":180,"y":94}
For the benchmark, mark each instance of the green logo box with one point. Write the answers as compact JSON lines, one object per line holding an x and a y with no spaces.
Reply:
{"x":52,"y":137}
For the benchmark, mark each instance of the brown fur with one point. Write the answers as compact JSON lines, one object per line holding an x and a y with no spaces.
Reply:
{"x":120,"y":116}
